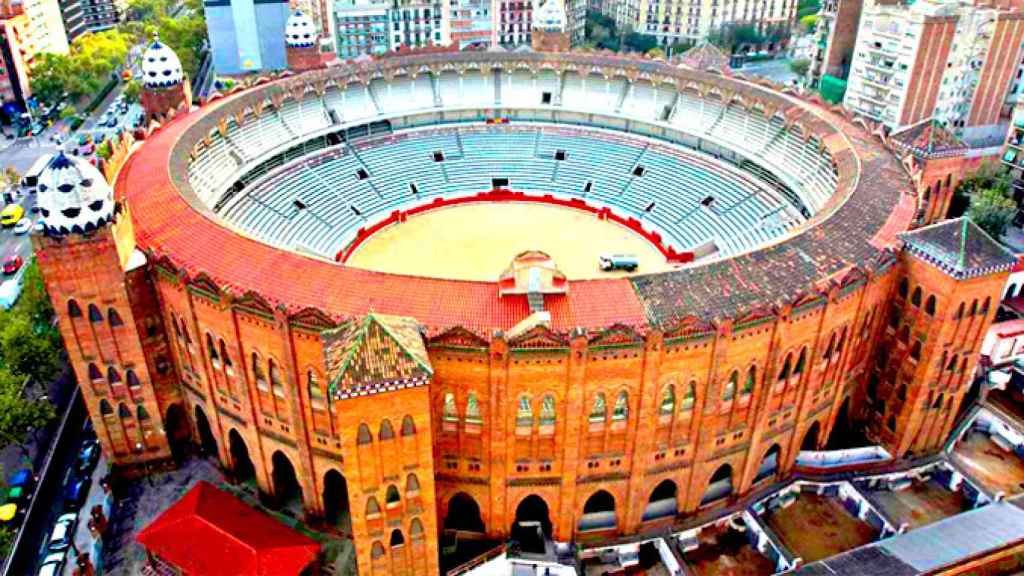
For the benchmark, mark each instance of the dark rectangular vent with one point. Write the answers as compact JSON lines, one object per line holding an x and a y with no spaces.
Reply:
{"x":708,"y":201}
{"x":299,"y":204}
{"x":413,"y":188}
{"x":638,"y":170}
{"x":499,"y":183}
{"x":438,"y":156}
{"x":545,"y":97}
{"x":560,"y":155}
{"x":362,"y":174}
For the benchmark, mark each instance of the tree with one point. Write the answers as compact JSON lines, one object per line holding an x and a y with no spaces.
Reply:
{"x":69,"y":111}
{"x":20,"y":416}
{"x":799,"y":67}
{"x":992,"y":210}
{"x":809,"y":22}
{"x":132,"y":91}
{"x":35,"y":304}
{"x":28,"y":351}
{"x":11,"y":176}
{"x":84,"y":70}
{"x":642,"y":43}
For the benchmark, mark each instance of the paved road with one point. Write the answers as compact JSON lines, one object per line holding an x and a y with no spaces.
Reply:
{"x":776,"y":70}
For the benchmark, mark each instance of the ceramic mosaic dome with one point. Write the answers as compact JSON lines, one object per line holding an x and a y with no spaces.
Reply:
{"x":299,"y":30}
{"x":73,"y":196}
{"x":160,"y":66}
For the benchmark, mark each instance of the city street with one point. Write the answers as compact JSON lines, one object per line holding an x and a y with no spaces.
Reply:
{"x":775,"y":70}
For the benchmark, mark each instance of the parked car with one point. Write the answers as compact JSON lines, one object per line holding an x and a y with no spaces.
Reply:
{"x":11,"y":214}
{"x":53,"y":564}
{"x":63,"y":533}
{"x":88,"y":456}
{"x":12,"y":264}
{"x":24,"y":226}
{"x":39,"y":227}
{"x":609,"y":262}
{"x":76,"y":489}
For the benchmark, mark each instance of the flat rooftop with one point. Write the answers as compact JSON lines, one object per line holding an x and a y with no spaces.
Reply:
{"x":988,"y":463}
{"x":814,"y":527}
{"x":1008,"y":401}
{"x":724,"y":551}
{"x":923,"y":503}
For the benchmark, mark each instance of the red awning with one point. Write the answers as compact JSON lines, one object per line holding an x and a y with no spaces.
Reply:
{"x":212,"y":533}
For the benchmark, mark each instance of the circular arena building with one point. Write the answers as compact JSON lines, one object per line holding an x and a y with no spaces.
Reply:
{"x":373,"y":293}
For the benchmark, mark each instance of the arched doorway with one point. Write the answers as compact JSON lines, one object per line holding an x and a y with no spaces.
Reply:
{"x":662,"y":503}
{"x":241,"y":464}
{"x":287,"y":490}
{"x":598,"y":512}
{"x":464,"y":514}
{"x":720,"y":485}
{"x":179,"y":433}
{"x":336,"y":511}
{"x":811,"y":437}
{"x":207,"y":443}
{"x":533,"y":508}
{"x":841,"y":435}
{"x":769,"y":464}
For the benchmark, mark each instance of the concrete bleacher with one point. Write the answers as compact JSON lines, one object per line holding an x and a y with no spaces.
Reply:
{"x":336,"y":202}
{"x":671,"y":195}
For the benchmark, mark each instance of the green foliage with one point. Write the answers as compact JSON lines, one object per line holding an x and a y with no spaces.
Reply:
{"x":637,"y":42}
{"x":84,"y":70}
{"x":800,"y":67}
{"x":104,"y":150}
{"x":655,"y":53}
{"x":809,"y":22}
{"x":992,"y":210}
{"x":26,"y":351}
{"x":601,"y":31}
{"x":68,"y":112}
{"x":20,"y":416}
{"x":35,"y":304}
{"x":731,"y":37}
{"x":807,"y":7}
{"x":132,"y":91}
{"x":184,"y":31}
{"x":147,"y":9}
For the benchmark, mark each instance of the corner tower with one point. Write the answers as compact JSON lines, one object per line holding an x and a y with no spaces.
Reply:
{"x":951,"y":277}
{"x":107,"y":311}
{"x":548,"y":33}
{"x":937,"y":161}
{"x":301,"y":44}
{"x":164,"y":84}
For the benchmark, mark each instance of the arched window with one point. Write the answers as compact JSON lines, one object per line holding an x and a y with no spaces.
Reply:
{"x":275,"y":377}
{"x":831,"y":346}
{"x":372,"y":507}
{"x":974,"y":307}
{"x":901,"y":393}
{"x":841,"y":343}
{"x":801,"y":362}
{"x":938,"y":402}
{"x":929,"y":305}
{"x":133,"y":380}
{"x":257,"y":369}
{"x":959,"y":311}
{"x":895,"y":317}
{"x":547,"y":410}
{"x":985,"y":305}
{"x":621,"y":410}
{"x":689,"y":397}
{"x":364,"y":436}
{"x":123,"y":412}
{"x":668,"y":400}
{"x":904,"y":335}
{"x":73,"y":310}
{"x":316,"y":395}
{"x":416,"y":529}
{"x":184,"y":332}
{"x":787,"y":367}
{"x":473,"y":409}
{"x":142,"y":414}
{"x":751,"y":381}
{"x":391,"y":496}
{"x":94,"y":314}
{"x":408,"y":426}
{"x":113,"y":376}
{"x":211,"y":350}
{"x":114,"y":318}
{"x":412,"y":485}
{"x":105,"y":408}
{"x":891,"y":423}
{"x":599,"y":412}
{"x":377,"y":550}
{"x":386,"y":431}
{"x":963,"y":365}
{"x":396,"y":538}
{"x":94,"y":373}
{"x":450,"y":411}
{"x":952,"y":363}
{"x":524,"y":415}
{"x":224,"y":356}
{"x":915,"y":300}
{"x":904,"y":288}
{"x":729,"y":392}
{"x":915,"y":350}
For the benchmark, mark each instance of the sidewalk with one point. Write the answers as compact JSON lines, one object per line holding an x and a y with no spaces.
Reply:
{"x":11,"y":457}
{"x":83,"y":538}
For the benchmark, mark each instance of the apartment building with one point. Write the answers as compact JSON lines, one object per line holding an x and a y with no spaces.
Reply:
{"x":417,"y":24}
{"x":950,"y":61}
{"x":674,"y":21}
{"x":835,"y":37}
{"x":471,"y":24}
{"x":14,"y":86}
{"x":101,"y":14}
{"x":360,"y":28}
{"x":73,"y":17}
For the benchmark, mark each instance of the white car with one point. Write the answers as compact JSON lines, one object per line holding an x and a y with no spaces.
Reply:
{"x":40,"y":227}
{"x":24,"y":226}
{"x":53,"y":564}
{"x":63,"y":533}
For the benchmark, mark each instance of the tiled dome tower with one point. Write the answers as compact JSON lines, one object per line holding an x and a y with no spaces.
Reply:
{"x":73,"y":196}
{"x":164,"y":83}
{"x":301,"y":42}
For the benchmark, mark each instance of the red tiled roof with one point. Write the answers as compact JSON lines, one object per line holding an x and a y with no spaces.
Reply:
{"x":211,"y":533}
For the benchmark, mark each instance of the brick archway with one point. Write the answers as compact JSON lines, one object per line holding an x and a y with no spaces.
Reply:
{"x":464,"y":514}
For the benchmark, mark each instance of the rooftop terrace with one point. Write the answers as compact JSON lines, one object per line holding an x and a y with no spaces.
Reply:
{"x":920,"y":504}
{"x":994,"y":467}
{"x":724,"y":551}
{"x":814,"y":527}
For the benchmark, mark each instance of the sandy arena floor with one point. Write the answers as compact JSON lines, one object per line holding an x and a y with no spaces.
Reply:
{"x":478,"y":241}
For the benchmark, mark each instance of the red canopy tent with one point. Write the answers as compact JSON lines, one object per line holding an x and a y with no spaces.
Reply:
{"x":212,"y":533}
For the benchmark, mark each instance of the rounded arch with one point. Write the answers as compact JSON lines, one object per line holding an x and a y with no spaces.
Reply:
{"x":241,"y":464}
{"x":287,"y":489}
{"x":810,"y":441}
{"x":178,"y":430}
{"x":769,"y":463}
{"x":397,"y":539}
{"x":363,"y":436}
{"x":336,"y":506}
{"x":391,"y":496}
{"x":719,"y":486}
{"x":662,"y":502}
{"x":533,"y":508}
{"x":207,"y":442}
{"x":386,"y":431}
{"x":598,"y":512}
{"x":463,"y":514}
{"x":408,"y":426}
{"x":842,"y":429}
